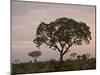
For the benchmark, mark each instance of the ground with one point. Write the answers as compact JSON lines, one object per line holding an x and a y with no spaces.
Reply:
{"x":53,"y":66}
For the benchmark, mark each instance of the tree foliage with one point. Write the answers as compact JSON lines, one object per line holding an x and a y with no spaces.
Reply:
{"x":34,"y":54}
{"x":85,"y":56}
{"x":79,"y":57}
{"x":62,"y":33}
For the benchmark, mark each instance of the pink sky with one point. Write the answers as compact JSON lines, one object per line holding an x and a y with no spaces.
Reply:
{"x":26,"y":17}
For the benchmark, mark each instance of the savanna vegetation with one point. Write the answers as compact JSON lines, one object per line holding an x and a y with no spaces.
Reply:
{"x":59,"y":35}
{"x":53,"y":66}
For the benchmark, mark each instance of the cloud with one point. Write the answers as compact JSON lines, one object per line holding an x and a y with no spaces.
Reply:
{"x":22,"y":44}
{"x":24,"y":7}
{"x":26,"y":17}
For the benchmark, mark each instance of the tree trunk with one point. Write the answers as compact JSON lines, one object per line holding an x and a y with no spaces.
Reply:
{"x":61,"y":58}
{"x":35,"y":61}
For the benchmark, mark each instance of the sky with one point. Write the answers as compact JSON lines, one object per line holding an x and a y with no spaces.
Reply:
{"x":26,"y":16}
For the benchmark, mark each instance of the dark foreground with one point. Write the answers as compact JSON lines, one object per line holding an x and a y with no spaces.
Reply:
{"x":53,"y":66}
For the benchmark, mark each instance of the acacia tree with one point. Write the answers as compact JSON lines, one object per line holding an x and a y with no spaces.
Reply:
{"x":72,"y":55}
{"x":79,"y":57}
{"x":34,"y":54}
{"x":62,"y":34}
{"x":85,"y":56}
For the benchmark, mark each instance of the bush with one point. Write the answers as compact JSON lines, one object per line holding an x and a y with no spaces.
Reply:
{"x":53,"y":66}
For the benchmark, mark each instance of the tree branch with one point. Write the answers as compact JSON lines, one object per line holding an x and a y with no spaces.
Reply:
{"x":54,"y":45}
{"x":67,"y":49}
{"x":57,"y":47}
{"x":61,"y":46}
{"x":69,"y":46}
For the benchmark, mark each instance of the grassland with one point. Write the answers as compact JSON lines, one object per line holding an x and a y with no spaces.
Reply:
{"x":53,"y":66}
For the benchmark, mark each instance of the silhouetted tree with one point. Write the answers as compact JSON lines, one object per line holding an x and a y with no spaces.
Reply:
{"x":79,"y":57}
{"x":62,"y":34}
{"x":85,"y":56}
{"x":30,"y":61}
{"x":34,"y":54}
{"x":72,"y":55}
{"x":16,"y":61}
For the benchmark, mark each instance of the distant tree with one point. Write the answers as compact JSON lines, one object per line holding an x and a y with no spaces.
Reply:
{"x":16,"y":61}
{"x":34,"y":54}
{"x":72,"y":55}
{"x":85,"y":56}
{"x":62,"y":34}
{"x":79,"y":57}
{"x":30,"y":61}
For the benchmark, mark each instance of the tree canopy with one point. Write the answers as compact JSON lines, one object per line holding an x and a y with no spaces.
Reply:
{"x":62,"y":33}
{"x":34,"y":54}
